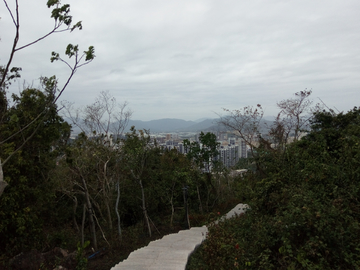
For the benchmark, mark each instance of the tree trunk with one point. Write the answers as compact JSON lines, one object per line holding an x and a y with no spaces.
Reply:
{"x":199,"y":198}
{"x":117,"y":209}
{"x":108,"y":214}
{"x":74,"y":214}
{"x":90,"y":211}
{"x":3,"y":184}
{"x":106,"y":196}
{"x":187,"y":222}
{"x":172,"y":205}
{"x":83,"y":225}
{"x":144,"y":207}
{"x":172,"y":212}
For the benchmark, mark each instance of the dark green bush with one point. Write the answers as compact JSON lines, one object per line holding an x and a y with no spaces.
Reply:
{"x":304,"y":210}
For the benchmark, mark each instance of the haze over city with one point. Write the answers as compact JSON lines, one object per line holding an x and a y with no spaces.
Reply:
{"x":189,"y":59}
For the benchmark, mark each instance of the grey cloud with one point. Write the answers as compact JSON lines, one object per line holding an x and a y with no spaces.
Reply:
{"x":186,"y":59}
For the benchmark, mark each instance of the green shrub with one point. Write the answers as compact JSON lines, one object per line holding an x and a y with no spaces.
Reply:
{"x":304,"y":210}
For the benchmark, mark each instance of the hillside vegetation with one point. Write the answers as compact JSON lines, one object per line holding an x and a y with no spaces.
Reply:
{"x":304,"y":204}
{"x":100,"y":193}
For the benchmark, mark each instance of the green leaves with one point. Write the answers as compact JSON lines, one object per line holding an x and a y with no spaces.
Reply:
{"x":204,"y":151}
{"x":28,"y":170}
{"x":61,"y":14}
{"x":77,"y":25}
{"x":10,"y":76}
{"x":90,"y":54}
{"x":305,"y":210}
{"x":54,"y":56}
{"x":51,"y":3}
{"x":32,"y":135}
{"x":71,"y":50}
{"x":14,"y":118}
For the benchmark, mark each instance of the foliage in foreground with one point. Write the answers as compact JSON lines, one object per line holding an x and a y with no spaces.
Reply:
{"x":304,"y":210}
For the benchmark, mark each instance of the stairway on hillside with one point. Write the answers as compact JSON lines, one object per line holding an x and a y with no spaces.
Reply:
{"x":172,"y":251}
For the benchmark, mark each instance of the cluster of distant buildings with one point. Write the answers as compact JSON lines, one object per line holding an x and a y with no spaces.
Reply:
{"x":231,"y":147}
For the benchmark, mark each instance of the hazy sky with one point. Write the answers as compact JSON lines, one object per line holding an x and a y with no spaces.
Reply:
{"x":189,"y":59}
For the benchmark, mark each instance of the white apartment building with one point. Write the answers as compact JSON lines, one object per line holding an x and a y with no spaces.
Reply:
{"x":230,"y":150}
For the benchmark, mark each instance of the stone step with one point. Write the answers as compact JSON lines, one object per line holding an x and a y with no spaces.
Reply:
{"x":172,"y":251}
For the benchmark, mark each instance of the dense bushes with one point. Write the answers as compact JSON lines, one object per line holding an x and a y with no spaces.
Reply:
{"x":61,"y":192}
{"x":304,"y":205}
{"x":27,"y":202}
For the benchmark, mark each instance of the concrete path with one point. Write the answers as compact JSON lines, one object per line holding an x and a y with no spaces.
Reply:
{"x":173,"y":250}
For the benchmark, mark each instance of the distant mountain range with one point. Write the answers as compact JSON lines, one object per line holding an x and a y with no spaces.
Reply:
{"x":168,"y":125}
{"x":179,"y":125}
{"x":172,"y":125}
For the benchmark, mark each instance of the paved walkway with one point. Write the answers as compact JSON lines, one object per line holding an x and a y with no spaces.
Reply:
{"x":172,"y":251}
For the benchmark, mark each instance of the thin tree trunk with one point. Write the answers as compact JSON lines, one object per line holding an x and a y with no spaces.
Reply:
{"x":172,"y":205}
{"x":106,"y":197}
{"x":90,"y":211}
{"x":199,"y":198}
{"x":95,"y":204}
{"x":187,"y":222}
{"x":108,"y":214}
{"x":172,"y":212}
{"x":83,"y":225}
{"x":74,"y":214}
{"x":117,"y":209}
{"x":3,"y":184}
{"x":207,"y":199}
{"x":144,"y":207}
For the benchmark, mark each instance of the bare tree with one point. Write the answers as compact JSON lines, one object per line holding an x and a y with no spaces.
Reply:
{"x":292,"y":119}
{"x":103,"y":122}
{"x":245,"y":123}
{"x":295,"y":114}
{"x":105,"y":117}
{"x":136,"y":150}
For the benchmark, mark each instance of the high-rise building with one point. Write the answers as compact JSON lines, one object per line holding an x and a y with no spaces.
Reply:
{"x":229,"y":154}
{"x":181,"y":148}
{"x":231,"y":149}
{"x":243,"y":149}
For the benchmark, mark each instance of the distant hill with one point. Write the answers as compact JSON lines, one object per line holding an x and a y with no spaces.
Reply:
{"x":161,"y":125}
{"x":179,"y":125}
{"x":201,"y":126}
{"x":201,"y":119}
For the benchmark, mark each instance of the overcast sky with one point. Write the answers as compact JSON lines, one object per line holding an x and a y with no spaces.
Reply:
{"x":188,"y":59}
